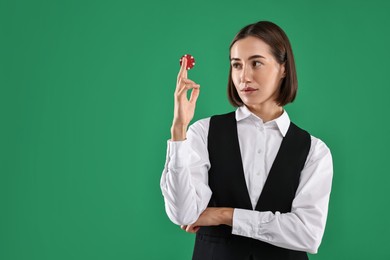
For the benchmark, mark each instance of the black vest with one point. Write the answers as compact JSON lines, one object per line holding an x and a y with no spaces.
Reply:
{"x":227,"y":182}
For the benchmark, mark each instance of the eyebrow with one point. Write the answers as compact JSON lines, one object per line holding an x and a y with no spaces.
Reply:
{"x":250,"y":58}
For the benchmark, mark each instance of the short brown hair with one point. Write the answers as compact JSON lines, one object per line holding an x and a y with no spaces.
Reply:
{"x":281,"y":49}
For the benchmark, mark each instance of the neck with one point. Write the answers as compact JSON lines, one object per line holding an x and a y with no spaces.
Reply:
{"x":266,"y":112}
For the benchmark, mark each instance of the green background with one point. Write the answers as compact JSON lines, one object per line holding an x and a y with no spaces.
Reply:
{"x":86,"y":103}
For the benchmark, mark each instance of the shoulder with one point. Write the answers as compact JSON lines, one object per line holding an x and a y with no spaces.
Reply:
{"x":319,"y":151}
{"x":319,"y":145}
{"x":316,"y":143}
{"x":199,"y":130}
{"x":202,"y":125}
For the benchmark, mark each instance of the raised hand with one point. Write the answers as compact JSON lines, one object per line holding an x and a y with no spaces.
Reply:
{"x":184,"y":109}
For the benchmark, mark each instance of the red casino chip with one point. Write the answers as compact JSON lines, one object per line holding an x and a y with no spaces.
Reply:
{"x":190,"y":61}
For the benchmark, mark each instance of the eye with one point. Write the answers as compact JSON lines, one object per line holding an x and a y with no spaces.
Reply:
{"x":236,"y":65}
{"x":256,"y":63}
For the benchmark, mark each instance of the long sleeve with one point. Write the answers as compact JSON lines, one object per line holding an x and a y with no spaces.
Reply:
{"x":184,"y":181}
{"x":301,"y":229}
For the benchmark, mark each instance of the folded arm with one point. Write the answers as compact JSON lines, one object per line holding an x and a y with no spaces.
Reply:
{"x":302,"y":228}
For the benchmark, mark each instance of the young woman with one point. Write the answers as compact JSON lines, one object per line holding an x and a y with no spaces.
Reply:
{"x":251,"y":184}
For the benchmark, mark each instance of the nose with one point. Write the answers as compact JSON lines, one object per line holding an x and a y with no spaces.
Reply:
{"x":245,"y":75}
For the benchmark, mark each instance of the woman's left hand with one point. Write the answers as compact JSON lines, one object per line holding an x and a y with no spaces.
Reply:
{"x":211,"y":217}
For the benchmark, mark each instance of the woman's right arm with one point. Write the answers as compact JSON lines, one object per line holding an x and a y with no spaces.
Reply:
{"x":184,"y":181}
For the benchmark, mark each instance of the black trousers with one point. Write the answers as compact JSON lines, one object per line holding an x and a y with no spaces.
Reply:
{"x":208,"y":247}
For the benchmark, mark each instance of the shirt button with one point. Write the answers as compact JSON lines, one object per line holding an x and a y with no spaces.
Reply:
{"x":259,"y":151}
{"x":258,"y":174}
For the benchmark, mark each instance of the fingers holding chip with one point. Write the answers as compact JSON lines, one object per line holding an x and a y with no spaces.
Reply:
{"x":190,"y":61}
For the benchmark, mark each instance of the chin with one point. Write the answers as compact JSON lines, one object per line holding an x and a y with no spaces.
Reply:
{"x":251,"y":102}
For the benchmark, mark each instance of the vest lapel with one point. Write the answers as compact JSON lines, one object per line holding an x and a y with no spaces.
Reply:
{"x":283,"y":179}
{"x":226,"y":176}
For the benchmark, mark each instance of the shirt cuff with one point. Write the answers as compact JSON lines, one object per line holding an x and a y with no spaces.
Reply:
{"x":248,"y":223}
{"x":178,"y":153}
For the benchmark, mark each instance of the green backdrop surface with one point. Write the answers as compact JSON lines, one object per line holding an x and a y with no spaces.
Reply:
{"x":86,"y":103}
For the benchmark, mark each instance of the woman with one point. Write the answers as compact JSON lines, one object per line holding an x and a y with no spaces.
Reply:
{"x":250,"y":183}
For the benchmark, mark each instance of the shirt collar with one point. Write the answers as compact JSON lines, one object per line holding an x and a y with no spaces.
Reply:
{"x":282,"y":122}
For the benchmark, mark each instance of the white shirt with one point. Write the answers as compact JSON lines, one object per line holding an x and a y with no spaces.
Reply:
{"x":184,"y":183}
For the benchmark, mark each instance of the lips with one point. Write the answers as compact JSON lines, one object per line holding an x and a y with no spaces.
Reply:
{"x":248,"y":89}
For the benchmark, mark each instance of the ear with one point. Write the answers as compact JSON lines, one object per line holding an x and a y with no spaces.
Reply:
{"x":283,"y":70}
